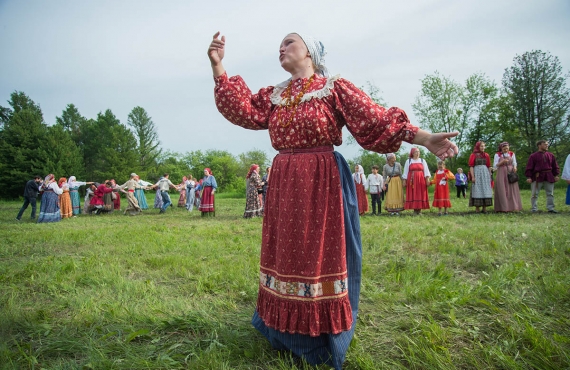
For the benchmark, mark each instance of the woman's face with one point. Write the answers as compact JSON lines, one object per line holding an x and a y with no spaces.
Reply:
{"x":293,"y":53}
{"x":416,"y":154}
{"x":505,"y":149}
{"x":206,"y":172}
{"x":256,"y":170}
{"x":391,"y":161}
{"x":482,"y":147}
{"x":355,"y":169}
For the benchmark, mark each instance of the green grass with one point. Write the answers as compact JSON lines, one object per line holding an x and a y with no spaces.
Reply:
{"x":176,"y":291}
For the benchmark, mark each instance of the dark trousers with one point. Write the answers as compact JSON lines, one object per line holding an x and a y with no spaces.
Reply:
{"x":376,"y":200}
{"x":27,"y":201}
{"x":461,"y":190}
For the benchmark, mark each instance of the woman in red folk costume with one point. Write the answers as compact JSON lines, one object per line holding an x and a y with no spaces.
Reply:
{"x":310,"y":263}
{"x":360,"y":185}
{"x":416,"y":174}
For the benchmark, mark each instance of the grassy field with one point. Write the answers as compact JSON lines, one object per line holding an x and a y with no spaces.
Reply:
{"x":176,"y":291}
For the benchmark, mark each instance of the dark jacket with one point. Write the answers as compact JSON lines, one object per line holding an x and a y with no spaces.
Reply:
{"x":32,"y":189}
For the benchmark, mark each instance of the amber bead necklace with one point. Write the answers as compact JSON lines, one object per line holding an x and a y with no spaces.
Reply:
{"x":293,"y":103}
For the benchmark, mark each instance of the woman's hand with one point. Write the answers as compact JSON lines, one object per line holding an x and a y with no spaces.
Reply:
{"x":437,"y":143}
{"x":216,"y":52}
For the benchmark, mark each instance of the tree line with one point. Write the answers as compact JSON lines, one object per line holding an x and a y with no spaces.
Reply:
{"x":101,"y":148}
{"x":532,"y":103}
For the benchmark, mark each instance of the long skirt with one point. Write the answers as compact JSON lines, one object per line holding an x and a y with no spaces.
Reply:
{"x":395,"y":195}
{"x":141,"y":199}
{"x":190,"y":199}
{"x":285,"y":213}
{"x":117,"y":201}
{"x":362,"y":199}
{"x":75,"y":201}
{"x":481,"y":194}
{"x":568,"y":195}
{"x":416,"y":190}
{"x":207,"y":201}
{"x":49,"y":208}
{"x":253,"y":206}
{"x":133,"y":208}
{"x":65,"y":205}
{"x":158,"y":200}
{"x":182,"y":199}
{"x":108,"y":200}
{"x":507,"y":196}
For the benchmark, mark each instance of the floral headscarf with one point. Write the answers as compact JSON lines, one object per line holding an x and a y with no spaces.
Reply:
{"x":317,"y":52}
{"x":501,"y":145}
{"x":48,"y":180}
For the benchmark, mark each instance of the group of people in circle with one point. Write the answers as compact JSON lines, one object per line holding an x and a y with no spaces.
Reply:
{"x":60,"y":199}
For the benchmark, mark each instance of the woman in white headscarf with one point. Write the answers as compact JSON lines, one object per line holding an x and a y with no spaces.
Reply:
{"x":74,"y":193}
{"x":308,"y":301}
{"x":361,"y":187}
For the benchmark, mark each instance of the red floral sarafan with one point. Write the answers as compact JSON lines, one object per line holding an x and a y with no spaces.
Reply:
{"x":303,"y":273}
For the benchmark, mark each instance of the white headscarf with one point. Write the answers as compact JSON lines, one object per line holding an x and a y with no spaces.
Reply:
{"x":317,"y":51}
{"x":359,"y":176}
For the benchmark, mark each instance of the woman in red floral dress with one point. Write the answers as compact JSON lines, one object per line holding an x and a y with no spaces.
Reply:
{"x":360,"y":184}
{"x":310,"y":263}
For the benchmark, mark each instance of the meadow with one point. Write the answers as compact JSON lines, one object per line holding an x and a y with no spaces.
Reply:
{"x":177,"y":291}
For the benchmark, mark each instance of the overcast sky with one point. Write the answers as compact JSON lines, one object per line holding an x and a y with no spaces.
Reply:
{"x":117,"y":55}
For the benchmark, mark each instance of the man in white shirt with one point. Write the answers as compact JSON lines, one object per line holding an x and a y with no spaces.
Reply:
{"x":375,"y":184}
{"x":163,"y":185}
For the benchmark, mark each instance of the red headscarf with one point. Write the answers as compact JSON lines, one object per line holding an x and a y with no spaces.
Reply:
{"x":501,"y":145}
{"x":251,"y":169}
{"x":477,"y":148}
{"x":61,"y":181}
{"x":209,"y":170}
{"x":412,"y":151}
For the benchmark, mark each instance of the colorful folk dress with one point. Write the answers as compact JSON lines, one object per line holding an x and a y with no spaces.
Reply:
{"x":49,"y":207}
{"x":65,"y":202}
{"x":207,"y":196}
{"x":441,"y":193}
{"x":394,"y":202}
{"x":481,"y":194}
{"x":415,"y":173}
{"x":310,"y":265}
{"x":359,"y":182}
{"x":253,"y":207}
{"x":507,"y":195}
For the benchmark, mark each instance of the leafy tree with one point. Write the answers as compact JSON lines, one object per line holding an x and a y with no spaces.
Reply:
{"x":439,"y":106}
{"x":367,"y":159}
{"x":20,"y":141}
{"x":253,"y":156}
{"x":538,"y":100}
{"x":145,"y":132}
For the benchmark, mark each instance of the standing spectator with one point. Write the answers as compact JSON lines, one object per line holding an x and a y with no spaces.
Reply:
{"x":207,"y":199}
{"x":360,"y":183}
{"x":49,"y":208}
{"x":265,"y":181}
{"x":441,"y":193}
{"x":460,"y":182}
{"x":64,"y":199}
{"x":507,"y":195}
{"x":164,"y":185}
{"x":566,"y":176}
{"x":542,"y":172}
{"x":375,"y":183}
{"x":253,"y":206}
{"x":31,"y":191}
{"x":393,"y":186}
{"x":416,"y":174}
{"x":481,"y":194}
